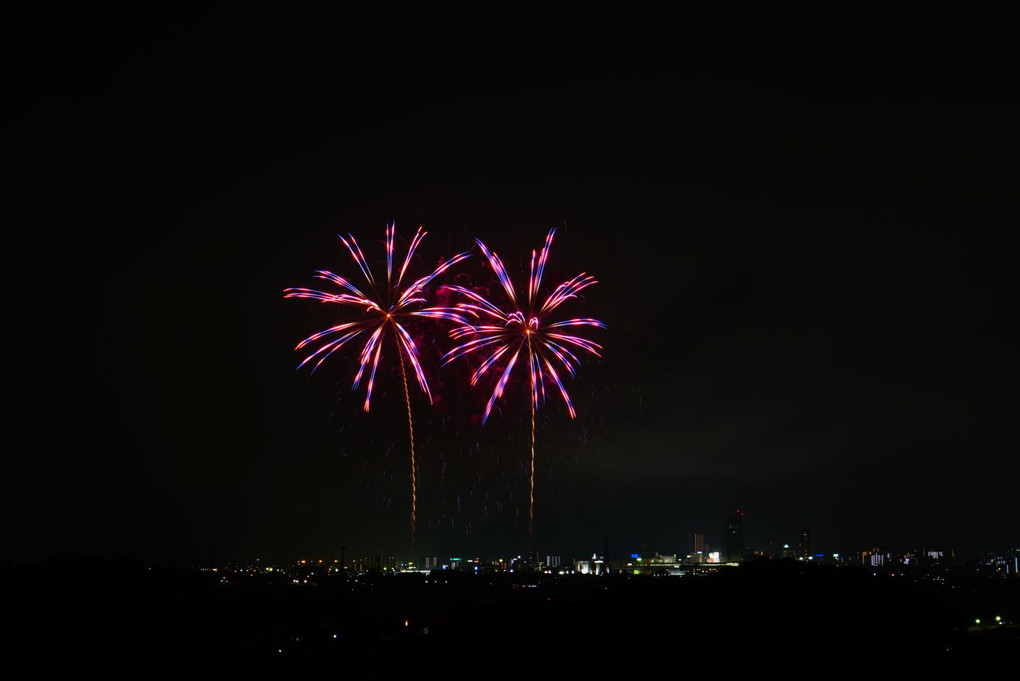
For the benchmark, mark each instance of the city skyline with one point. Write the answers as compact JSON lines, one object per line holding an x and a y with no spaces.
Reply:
{"x":697,"y":547}
{"x":800,"y":225}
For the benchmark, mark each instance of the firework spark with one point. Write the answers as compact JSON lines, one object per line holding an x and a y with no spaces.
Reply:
{"x":382,"y":310}
{"x":502,"y":335}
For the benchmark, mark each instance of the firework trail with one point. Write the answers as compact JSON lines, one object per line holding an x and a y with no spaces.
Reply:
{"x":522,"y":331}
{"x":372,"y":316}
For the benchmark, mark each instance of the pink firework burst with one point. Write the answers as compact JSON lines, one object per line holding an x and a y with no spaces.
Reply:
{"x":523,"y":327}
{"x":502,"y":335}
{"x":371,"y":317}
{"x":374,"y":314}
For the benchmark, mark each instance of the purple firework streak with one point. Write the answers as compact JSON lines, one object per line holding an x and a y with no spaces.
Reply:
{"x":371,"y":317}
{"x":503,"y":334}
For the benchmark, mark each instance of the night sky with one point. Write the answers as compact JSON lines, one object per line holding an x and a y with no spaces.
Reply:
{"x":801,"y":226}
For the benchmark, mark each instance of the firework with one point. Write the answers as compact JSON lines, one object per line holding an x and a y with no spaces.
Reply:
{"x":523,"y":330}
{"x":372,"y":316}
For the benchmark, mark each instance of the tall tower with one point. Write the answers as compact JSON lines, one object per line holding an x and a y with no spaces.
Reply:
{"x":697,"y":542}
{"x":733,"y":536}
{"x":805,"y":545}
{"x":696,"y":550}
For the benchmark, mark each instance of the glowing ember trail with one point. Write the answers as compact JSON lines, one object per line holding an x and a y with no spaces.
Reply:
{"x":371,"y":317}
{"x":502,"y":335}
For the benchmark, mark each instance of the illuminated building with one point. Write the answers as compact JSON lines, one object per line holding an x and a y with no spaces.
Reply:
{"x":593,"y":566}
{"x":873,"y":558}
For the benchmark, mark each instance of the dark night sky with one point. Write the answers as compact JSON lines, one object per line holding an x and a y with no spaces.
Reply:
{"x":801,"y":228}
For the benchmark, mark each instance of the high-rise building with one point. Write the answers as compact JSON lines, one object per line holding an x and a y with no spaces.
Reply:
{"x":733,"y":536}
{"x":696,"y":550}
{"x":805,"y":545}
{"x":697,"y":542}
